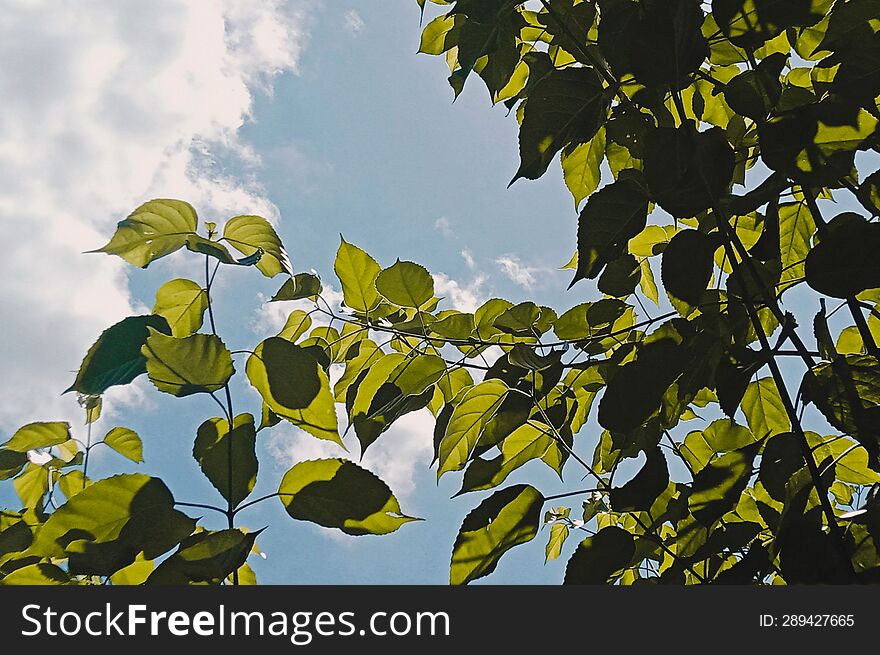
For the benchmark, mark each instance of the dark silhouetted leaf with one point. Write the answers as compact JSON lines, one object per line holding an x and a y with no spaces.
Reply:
{"x":844,"y":263}
{"x":687,"y":265}
{"x":642,"y":490}
{"x":566,"y":106}
{"x":205,"y":558}
{"x":215,"y":444}
{"x":611,"y":217}
{"x":687,"y":171}
{"x":600,"y":557}
{"x":115,"y":358}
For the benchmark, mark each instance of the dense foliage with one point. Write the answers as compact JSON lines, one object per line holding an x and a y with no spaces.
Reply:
{"x":724,"y":136}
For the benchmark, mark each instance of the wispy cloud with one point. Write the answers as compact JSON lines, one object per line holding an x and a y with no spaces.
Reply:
{"x":352,"y":22}
{"x":443,"y":226}
{"x":463,"y":297}
{"x":516,"y":271}
{"x":468,"y":258}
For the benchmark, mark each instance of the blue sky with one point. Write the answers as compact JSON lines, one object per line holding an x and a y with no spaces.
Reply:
{"x":319,"y":115}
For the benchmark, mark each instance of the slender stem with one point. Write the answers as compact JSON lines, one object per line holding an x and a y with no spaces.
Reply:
{"x":86,"y":458}
{"x":790,"y":410}
{"x":580,"y":492}
{"x":230,"y":507}
{"x":201,"y":506}
{"x":244,"y":506}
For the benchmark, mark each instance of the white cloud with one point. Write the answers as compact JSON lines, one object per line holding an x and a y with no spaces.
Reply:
{"x":352,"y":22}
{"x":463,"y":298}
{"x":137,"y":101}
{"x":395,"y":456}
{"x":468,"y":258}
{"x":443,"y":226}
{"x":515,"y":270}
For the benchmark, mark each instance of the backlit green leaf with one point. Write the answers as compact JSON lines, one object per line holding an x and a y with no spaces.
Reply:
{"x":182,"y":303}
{"x":357,"y":272}
{"x":126,"y":442}
{"x":294,"y":387}
{"x":600,"y":557}
{"x":103,"y":528}
{"x":405,"y":284}
{"x":199,"y":363}
{"x":468,"y":418}
{"x":38,"y":435}
{"x":337,"y":493}
{"x":153,"y":230}
{"x":505,"y":519}
{"x":250,"y":234}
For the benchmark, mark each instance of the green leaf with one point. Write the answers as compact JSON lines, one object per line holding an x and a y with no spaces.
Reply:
{"x":600,"y":558}
{"x":468,"y":419}
{"x":38,"y":435}
{"x":764,"y":410}
{"x":406,"y":284}
{"x":687,"y":171}
{"x":636,"y":390}
{"x":37,"y":574}
{"x":215,"y":445}
{"x":291,"y":375}
{"x":755,"y":93}
{"x":718,"y":486}
{"x":566,"y":106}
{"x":196,"y":364}
{"x":611,"y":217}
{"x":301,"y":285}
{"x":205,"y":558}
{"x":847,"y":392}
{"x":357,"y":272}
{"x":203,"y":246}
{"x":11,"y":462}
{"x":32,"y":485}
{"x":621,"y":276}
{"x":558,"y":534}
{"x":439,"y":35}
{"x":297,"y":324}
{"x":581,"y":166}
{"x":102,"y":529}
{"x":133,"y":574}
{"x":285,"y":376}
{"x":687,"y":266}
{"x":645,"y":487}
{"x":524,"y":444}
{"x":796,"y":229}
{"x":126,"y":442}
{"x":337,"y":493}
{"x":718,"y":437}
{"x":115,"y":358}
{"x":153,"y":230}
{"x":182,"y":303}
{"x":252,"y":234}
{"x":844,"y":264}
{"x":505,"y":519}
